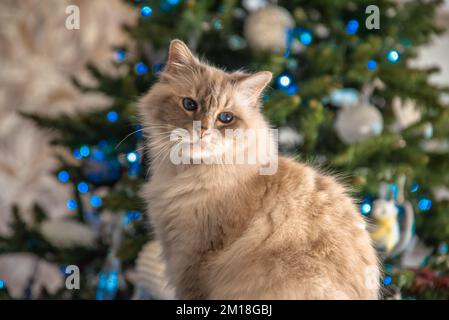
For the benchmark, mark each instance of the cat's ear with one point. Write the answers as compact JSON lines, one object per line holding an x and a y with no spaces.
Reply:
{"x":179,"y":57}
{"x":251,"y":87}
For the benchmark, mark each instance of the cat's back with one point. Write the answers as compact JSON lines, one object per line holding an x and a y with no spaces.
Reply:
{"x":309,"y":240}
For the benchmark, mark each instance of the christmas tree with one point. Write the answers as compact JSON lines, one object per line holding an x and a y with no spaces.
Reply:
{"x":344,"y":98}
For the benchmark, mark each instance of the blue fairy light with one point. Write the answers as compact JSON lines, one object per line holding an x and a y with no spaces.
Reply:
{"x":141,"y":68}
{"x":372,"y":65}
{"x":85,"y":151}
{"x":173,"y":2}
{"x":305,"y":38}
{"x":134,"y":215}
{"x":77,"y":154}
{"x":146,"y":11}
{"x":365,"y":208}
{"x":120,"y":55}
{"x":2,"y":284}
{"x":83,"y":187}
{"x":424,"y":204}
{"x":71,"y":204}
{"x":112,"y":116}
{"x":131,"y":216}
{"x":387,"y":280}
{"x":112,"y":282}
{"x":414,"y":187}
{"x":95,"y":201}
{"x":443,"y":248}
{"x":291,"y":90}
{"x":352,"y":26}
{"x":284,"y":81}
{"x":132,"y":157}
{"x":393,"y":56}
{"x":63,"y":176}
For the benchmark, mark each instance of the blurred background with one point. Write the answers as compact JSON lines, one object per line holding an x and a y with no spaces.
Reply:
{"x":359,"y":89}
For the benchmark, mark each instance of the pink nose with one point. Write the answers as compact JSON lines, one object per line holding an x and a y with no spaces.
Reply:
{"x":202,"y":131}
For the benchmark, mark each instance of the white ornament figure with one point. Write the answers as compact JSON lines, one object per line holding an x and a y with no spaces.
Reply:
{"x":66,"y":234}
{"x":266,"y":29}
{"x":151,"y":272}
{"x":358,"y":123}
{"x":386,"y":232}
{"x":252,"y":5}
{"x":406,"y":113}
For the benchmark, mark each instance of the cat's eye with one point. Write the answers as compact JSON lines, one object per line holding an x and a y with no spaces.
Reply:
{"x":225,"y":117}
{"x":189,"y":104}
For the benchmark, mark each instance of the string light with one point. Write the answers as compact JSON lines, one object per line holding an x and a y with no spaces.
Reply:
{"x":146,"y":11}
{"x":387,"y":280}
{"x":84,"y":151}
{"x":77,"y":154}
{"x":372,"y":65}
{"x":141,"y":68}
{"x":424,"y":204}
{"x":120,"y":55}
{"x":63,"y":176}
{"x":132,"y":157}
{"x":95,"y":201}
{"x":71,"y":204}
{"x":2,"y":284}
{"x":83,"y":187}
{"x":352,"y":26}
{"x":112,"y":116}
{"x":305,"y":38}
{"x":365,"y":208}
{"x":393,"y":56}
{"x":284,"y":81}
{"x":414,"y":187}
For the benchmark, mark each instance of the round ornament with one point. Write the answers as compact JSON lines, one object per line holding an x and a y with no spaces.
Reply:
{"x":266,"y":29}
{"x":359,"y":123}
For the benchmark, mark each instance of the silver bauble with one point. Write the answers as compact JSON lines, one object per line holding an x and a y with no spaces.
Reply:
{"x":266,"y":28}
{"x":358,"y":123}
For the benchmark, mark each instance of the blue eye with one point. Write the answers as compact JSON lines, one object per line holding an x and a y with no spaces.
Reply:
{"x":189,"y":104}
{"x":225,"y":117}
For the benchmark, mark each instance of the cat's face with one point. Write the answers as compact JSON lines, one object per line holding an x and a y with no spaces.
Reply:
{"x":204,"y":103}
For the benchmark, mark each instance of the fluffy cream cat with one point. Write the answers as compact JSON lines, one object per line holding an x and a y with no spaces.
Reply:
{"x":227,"y":230}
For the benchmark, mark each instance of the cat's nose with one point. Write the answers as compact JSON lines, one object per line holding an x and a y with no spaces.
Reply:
{"x":202,"y":131}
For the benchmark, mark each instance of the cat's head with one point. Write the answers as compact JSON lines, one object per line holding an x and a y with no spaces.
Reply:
{"x":195,"y":99}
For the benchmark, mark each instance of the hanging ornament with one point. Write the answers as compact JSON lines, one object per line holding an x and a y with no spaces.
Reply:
{"x":151,"y":276}
{"x":394,"y":220}
{"x":67,"y":234}
{"x":253,"y":5}
{"x":358,"y":122}
{"x":386,"y":230}
{"x":405,"y":112}
{"x":266,"y":28}
{"x":289,"y":139}
{"x":101,"y":172}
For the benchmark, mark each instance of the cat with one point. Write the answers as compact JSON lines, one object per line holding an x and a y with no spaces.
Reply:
{"x":228,"y":231}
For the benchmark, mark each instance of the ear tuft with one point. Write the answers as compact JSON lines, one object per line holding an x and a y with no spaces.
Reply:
{"x":179,"y":56}
{"x":252,"y":86}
